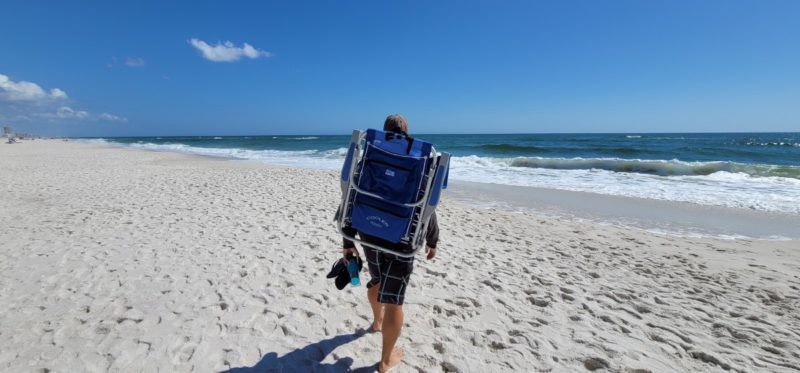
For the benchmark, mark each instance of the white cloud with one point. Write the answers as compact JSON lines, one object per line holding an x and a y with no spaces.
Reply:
{"x":68,"y":113}
{"x":111,"y":118}
{"x":22,"y":101}
{"x":134,"y":62}
{"x":57,"y":93}
{"x":64,"y":112}
{"x":227,"y":51}
{"x":15,"y":118}
{"x":26,"y":91}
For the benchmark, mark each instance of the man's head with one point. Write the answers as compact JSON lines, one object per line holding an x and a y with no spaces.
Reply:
{"x":395,"y":123}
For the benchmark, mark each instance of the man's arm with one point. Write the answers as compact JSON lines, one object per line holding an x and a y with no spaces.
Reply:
{"x":348,"y":247}
{"x":432,"y":236}
{"x":350,"y":231}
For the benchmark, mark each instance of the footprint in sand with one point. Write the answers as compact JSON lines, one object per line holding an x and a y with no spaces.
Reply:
{"x":595,"y":363}
{"x":539,"y":302}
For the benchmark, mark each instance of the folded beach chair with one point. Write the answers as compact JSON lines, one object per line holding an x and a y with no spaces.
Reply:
{"x":391,"y":185}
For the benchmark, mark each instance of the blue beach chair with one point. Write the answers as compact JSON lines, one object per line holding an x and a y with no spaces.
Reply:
{"x":391,"y":185}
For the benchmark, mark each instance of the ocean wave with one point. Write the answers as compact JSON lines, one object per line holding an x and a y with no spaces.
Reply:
{"x":305,"y":138}
{"x":720,"y":188}
{"x":657,"y":167}
{"x":634,"y":136}
{"x":310,"y":158}
{"x":335,"y":153}
{"x":237,"y":153}
{"x":100,"y":141}
{"x":651,"y":137}
{"x":639,"y":166}
{"x":787,"y":143}
{"x":508,"y":148}
{"x":530,"y":149}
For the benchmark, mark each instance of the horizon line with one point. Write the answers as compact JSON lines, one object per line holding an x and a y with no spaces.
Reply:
{"x":440,"y":134}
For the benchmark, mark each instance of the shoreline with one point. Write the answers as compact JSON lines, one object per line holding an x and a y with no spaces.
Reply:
{"x":682,"y":219}
{"x":657,"y":216}
{"x":617,"y":166}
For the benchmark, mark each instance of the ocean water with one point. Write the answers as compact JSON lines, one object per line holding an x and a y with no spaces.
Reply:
{"x":759,"y":171}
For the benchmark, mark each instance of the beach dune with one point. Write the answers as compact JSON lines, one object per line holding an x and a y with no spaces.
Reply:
{"x":117,"y":259}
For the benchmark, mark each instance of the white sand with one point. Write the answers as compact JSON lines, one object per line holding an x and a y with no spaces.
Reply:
{"x":124,"y":260}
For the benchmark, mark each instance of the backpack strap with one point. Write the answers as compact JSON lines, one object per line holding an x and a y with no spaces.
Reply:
{"x":410,"y":141}
{"x":392,"y":135}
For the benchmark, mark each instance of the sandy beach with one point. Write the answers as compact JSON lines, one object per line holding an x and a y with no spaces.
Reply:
{"x":124,"y":260}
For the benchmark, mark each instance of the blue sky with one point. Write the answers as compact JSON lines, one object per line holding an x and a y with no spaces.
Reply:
{"x":90,"y":68}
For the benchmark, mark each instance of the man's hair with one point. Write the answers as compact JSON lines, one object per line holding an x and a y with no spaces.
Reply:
{"x":396,"y":123}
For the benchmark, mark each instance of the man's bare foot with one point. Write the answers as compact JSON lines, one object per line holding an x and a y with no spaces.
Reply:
{"x":376,"y":327}
{"x":394,"y":360}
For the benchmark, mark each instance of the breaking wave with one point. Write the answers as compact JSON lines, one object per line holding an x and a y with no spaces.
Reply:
{"x":654,"y":167}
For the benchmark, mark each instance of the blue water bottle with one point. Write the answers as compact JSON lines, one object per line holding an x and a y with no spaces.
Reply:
{"x":352,"y":268}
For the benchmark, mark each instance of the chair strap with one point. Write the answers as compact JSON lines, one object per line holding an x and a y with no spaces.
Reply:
{"x":397,"y":135}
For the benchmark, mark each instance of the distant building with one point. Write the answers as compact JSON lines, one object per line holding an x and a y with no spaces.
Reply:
{"x":7,"y":131}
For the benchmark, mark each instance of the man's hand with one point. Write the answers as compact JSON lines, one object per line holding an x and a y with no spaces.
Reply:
{"x":347,"y":251}
{"x":430,"y":252}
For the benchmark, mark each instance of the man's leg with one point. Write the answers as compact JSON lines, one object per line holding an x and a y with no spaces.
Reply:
{"x":374,"y":260}
{"x":377,"y":308}
{"x":393,"y":323}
